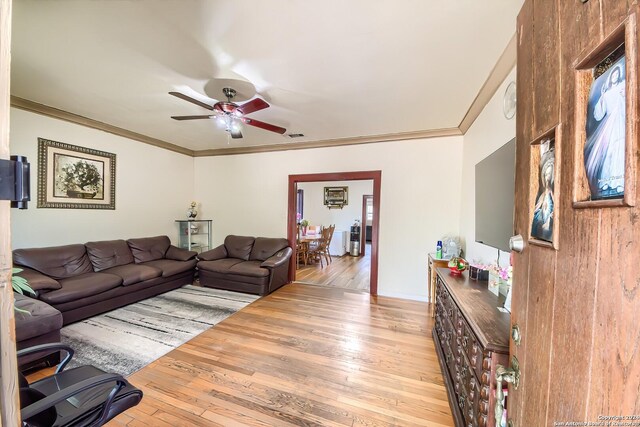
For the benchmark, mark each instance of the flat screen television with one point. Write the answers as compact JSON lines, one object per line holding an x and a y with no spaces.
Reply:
{"x":495,"y":187}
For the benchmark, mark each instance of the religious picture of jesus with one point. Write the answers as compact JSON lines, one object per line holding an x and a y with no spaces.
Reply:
{"x":604,"y":151}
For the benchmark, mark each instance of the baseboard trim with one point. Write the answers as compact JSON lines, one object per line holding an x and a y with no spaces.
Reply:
{"x":421,"y":298}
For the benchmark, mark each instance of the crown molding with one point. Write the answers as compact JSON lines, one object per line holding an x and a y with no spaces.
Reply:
{"x":401,"y":136}
{"x":498,"y":74}
{"x":45,"y":110}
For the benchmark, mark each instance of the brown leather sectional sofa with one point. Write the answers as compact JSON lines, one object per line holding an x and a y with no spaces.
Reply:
{"x":246,"y":264}
{"x":84,"y":280}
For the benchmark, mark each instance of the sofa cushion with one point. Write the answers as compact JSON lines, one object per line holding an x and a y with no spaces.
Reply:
{"x":208,"y":278}
{"x":170,"y":267}
{"x":84,"y":285}
{"x":108,"y":253}
{"x":180,"y":254}
{"x":219,"y":265}
{"x":249,"y":268}
{"x":149,"y":248}
{"x":265,"y":247}
{"x":134,"y":273}
{"x":41,"y":319}
{"x":38,"y":281}
{"x":58,"y":262}
{"x":239,"y":246}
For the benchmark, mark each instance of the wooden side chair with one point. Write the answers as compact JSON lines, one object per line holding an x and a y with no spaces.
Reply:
{"x":302,"y":250}
{"x":322,"y":250}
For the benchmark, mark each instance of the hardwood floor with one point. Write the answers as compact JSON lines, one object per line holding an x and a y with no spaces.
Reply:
{"x":345,"y":272}
{"x":302,"y":356}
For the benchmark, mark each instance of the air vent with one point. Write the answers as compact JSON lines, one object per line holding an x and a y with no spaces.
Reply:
{"x":296,"y":135}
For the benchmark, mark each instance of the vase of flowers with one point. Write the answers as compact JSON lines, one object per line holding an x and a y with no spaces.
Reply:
{"x":500,"y":279}
{"x":304,"y":223}
{"x":192,"y":212}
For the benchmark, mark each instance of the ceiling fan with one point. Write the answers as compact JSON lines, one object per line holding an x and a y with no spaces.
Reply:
{"x":230,"y":113}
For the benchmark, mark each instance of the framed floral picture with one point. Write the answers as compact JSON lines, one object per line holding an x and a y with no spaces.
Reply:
{"x":73,"y":177}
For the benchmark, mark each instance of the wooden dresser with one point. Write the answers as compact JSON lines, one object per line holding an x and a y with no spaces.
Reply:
{"x":472,"y":338}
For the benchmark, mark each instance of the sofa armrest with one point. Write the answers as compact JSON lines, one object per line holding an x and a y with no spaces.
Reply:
{"x":38,"y":281}
{"x":278,"y":259}
{"x":216,"y":253}
{"x":180,"y":254}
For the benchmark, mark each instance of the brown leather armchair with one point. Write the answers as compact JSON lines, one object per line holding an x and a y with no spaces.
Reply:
{"x":246,"y":264}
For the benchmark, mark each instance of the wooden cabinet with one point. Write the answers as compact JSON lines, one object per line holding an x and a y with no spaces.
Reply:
{"x":472,"y":338}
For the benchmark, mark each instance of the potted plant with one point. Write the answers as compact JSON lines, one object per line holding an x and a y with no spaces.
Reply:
{"x":20,"y":285}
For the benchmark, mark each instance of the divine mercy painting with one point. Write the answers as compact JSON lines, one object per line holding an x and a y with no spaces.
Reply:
{"x":543,"y":211}
{"x":604,"y":151}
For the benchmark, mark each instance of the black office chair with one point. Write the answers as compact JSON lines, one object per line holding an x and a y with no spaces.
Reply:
{"x":83,"y":396}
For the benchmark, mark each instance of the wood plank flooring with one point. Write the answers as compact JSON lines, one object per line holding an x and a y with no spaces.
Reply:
{"x":343,"y":272}
{"x":302,"y":356}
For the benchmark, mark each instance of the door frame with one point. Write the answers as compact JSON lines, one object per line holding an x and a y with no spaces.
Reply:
{"x":363,"y":229}
{"x":375,"y":175}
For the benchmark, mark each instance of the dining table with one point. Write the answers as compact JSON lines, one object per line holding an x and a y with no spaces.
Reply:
{"x":306,"y":240}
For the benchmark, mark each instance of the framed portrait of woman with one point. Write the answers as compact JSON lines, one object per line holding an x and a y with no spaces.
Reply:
{"x":542,"y":224}
{"x":604,"y":149}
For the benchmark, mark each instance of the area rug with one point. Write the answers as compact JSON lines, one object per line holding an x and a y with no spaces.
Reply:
{"x":126,"y":339}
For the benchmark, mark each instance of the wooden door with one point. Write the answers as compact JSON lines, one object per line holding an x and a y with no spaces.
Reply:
{"x":9,"y":407}
{"x":576,"y":301}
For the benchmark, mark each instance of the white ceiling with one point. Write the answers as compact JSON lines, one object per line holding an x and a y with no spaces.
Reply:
{"x":330,"y":69}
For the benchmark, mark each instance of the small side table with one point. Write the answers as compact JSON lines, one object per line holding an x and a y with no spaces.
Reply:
{"x":195,"y":234}
{"x":431,"y":274}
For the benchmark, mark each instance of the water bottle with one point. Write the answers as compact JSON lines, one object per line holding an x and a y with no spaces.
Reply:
{"x":439,"y":250}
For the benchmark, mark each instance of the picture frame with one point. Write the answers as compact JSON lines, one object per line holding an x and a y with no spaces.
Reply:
{"x":336,"y":197}
{"x":604,"y":152}
{"x":74,"y":177}
{"x":544,"y":189}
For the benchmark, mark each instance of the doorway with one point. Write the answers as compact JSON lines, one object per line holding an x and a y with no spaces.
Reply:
{"x":367,"y":223}
{"x":375,"y":176}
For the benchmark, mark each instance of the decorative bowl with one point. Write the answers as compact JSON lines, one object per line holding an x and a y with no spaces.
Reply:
{"x":457,"y":265}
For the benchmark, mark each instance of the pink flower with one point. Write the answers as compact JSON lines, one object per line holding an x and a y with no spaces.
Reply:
{"x":298,"y":216}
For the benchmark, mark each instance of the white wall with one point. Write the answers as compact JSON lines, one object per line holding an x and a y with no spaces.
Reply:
{"x":490,"y":131}
{"x":316,"y":212}
{"x":153,"y":187}
{"x":247,"y":195}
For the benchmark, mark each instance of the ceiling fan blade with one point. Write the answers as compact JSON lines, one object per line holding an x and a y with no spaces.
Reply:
{"x":253,"y":105}
{"x":191,"y":100}
{"x":263,"y":125}
{"x":235,"y":133}
{"x":191,"y":117}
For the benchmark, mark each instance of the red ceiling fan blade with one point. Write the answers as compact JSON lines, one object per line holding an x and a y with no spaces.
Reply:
{"x":191,"y":100}
{"x":253,"y":105}
{"x":191,"y":117}
{"x":263,"y":125}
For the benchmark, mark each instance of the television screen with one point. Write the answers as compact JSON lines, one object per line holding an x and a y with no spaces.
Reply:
{"x":495,"y":187}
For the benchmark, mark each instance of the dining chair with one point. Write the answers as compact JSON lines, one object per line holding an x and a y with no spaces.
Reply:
{"x":322,"y":249}
{"x":302,"y":250}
